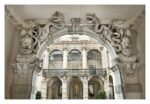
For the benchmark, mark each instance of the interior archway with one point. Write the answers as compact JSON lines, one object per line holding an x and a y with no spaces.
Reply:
{"x":75,"y":88}
{"x":95,"y":84}
{"x":54,"y":88}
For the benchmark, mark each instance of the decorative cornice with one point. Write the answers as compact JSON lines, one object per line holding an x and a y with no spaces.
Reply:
{"x":10,"y":17}
{"x":140,"y":18}
{"x":15,"y":20}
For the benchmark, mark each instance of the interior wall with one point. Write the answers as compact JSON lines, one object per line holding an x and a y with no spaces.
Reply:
{"x":10,"y":54}
{"x":138,"y":79}
{"x":141,"y":55}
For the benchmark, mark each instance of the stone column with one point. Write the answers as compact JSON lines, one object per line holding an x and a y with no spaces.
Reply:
{"x":64,"y":88}
{"x":65,"y":58}
{"x":44,"y":89}
{"x":45,"y":60}
{"x":106,"y":87}
{"x":39,"y":81}
{"x":34,"y":88}
{"x":104,"y":58}
{"x":108,"y":61}
{"x":85,"y":87}
{"x":84,"y":58}
{"x":118,"y":90}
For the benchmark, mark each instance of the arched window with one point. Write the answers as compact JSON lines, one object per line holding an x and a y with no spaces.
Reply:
{"x":55,"y":59}
{"x":94,"y":59}
{"x":74,"y":59}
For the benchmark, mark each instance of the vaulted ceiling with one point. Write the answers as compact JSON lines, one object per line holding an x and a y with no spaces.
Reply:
{"x":104,"y":12}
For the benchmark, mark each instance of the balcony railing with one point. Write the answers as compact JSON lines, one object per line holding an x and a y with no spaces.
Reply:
{"x":74,"y":72}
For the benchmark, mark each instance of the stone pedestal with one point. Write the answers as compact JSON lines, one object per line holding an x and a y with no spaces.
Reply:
{"x":21,"y":88}
{"x":23,"y":74}
{"x":106,"y":87}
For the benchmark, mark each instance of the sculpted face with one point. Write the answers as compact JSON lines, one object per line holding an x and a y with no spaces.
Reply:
{"x":26,"y":42}
{"x":126,"y":47}
{"x":126,"y":44}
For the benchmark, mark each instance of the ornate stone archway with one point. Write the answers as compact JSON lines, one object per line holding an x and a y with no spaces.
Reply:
{"x":33,"y":42}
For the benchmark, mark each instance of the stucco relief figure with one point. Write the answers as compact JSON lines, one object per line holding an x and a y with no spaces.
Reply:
{"x":27,"y":42}
{"x":131,"y":67}
{"x":76,"y":91}
{"x":56,"y":23}
{"x":127,"y":54}
{"x":126,"y":47}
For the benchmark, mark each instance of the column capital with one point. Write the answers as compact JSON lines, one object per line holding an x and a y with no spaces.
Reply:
{"x":84,"y":78}
{"x":65,"y":48}
{"x":84,"y":48}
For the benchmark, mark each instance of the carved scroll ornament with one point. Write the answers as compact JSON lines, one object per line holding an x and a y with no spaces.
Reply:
{"x":31,"y":39}
{"x":118,"y":37}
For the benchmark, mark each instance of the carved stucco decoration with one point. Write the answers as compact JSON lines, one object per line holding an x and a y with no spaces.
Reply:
{"x":31,"y":39}
{"x":56,"y":23}
{"x":22,"y":69}
{"x":75,"y":27}
{"x":119,"y":39}
{"x":28,"y":42}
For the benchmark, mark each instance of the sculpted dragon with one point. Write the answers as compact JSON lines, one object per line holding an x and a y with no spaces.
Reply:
{"x":56,"y":23}
{"x":113,"y":37}
{"x":39,"y":34}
